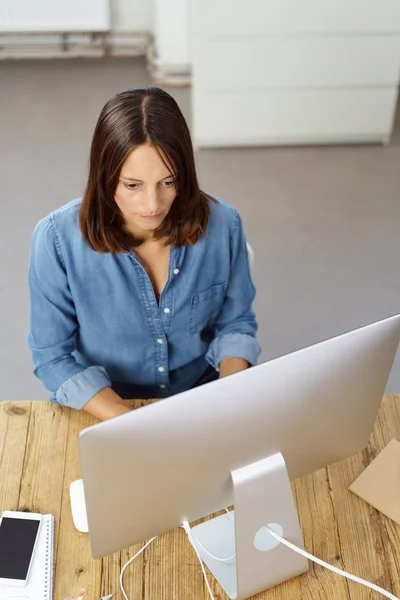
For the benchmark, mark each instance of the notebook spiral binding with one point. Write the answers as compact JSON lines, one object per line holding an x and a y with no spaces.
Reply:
{"x":49,"y":575}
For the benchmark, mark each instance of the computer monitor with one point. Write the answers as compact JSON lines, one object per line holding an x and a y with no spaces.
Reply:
{"x":238,"y":440}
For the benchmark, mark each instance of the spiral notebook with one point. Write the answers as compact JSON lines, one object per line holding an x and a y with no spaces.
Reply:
{"x":40,"y":579}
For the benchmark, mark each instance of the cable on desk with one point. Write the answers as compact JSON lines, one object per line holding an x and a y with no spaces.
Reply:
{"x":121,"y":577}
{"x":295,"y":548}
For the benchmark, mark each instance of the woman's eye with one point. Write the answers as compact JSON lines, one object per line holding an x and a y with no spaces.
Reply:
{"x":132,"y":186}
{"x":169,"y":183}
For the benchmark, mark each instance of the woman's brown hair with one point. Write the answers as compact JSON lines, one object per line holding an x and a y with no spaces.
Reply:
{"x":129,"y":119}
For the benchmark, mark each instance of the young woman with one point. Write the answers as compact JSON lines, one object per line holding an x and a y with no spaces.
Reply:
{"x":142,"y":289}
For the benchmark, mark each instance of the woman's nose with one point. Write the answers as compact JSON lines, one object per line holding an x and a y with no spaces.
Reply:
{"x":152,"y":201}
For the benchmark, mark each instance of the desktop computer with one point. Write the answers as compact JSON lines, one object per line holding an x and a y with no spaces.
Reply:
{"x":238,"y":440}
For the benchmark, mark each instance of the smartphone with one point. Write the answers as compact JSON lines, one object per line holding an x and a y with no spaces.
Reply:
{"x":19,"y":532}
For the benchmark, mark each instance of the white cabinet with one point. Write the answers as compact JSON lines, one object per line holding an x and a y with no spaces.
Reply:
{"x":294,"y":72}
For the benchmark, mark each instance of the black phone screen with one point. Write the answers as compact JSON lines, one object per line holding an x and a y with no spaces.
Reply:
{"x":17,"y":540}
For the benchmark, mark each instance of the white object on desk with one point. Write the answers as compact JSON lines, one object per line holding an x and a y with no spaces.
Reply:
{"x":17,"y":598}
{"x":40,"y":579}
{"x":78,"y":506}
{"x":17,"y":529}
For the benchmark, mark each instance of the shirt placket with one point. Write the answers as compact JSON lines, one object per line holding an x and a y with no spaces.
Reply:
{"x":159,"y":315}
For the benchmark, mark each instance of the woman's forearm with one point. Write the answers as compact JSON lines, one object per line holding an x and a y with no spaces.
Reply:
{"x":106,"y":405}
{"x":229,"y":366}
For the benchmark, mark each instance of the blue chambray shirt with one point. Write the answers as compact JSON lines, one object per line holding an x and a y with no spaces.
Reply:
{"x":95,"y":321}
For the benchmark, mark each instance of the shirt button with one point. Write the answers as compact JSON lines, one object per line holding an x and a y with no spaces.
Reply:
{"x":162,"y":387}
{"x":161,"y":369}
{"x":176,"y":271}
{"x":160,"y":341}
{"x":167,"y":311}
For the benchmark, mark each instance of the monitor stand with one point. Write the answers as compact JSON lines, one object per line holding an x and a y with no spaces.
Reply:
{"x":262,"y":496}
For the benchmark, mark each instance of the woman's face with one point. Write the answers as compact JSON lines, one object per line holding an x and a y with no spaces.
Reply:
{"x":145,"y":191}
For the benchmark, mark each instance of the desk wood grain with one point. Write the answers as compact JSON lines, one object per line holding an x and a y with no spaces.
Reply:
{"x":39,"y":459}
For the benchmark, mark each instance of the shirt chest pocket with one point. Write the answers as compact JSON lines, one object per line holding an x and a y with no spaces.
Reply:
{"x":205,"y":307}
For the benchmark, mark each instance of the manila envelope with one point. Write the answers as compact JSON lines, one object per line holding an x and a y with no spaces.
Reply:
{"x":379,"y":484}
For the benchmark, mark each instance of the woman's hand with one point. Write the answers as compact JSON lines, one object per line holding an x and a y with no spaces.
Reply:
{"x":106,"y":405}
{"x":229,"y":366}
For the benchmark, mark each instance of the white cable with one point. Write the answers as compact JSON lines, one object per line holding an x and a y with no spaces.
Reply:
{"x":121,"y":584}
{"x":322,"y":563}
{"x":280,"y":539}
{"x":219,"y":559}
{"x":367,"y":584}
{"x":188,"y":530}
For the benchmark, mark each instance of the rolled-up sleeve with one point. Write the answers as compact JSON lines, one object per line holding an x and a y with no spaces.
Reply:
{"x":53,"y":325}
{"x":236,"y":326}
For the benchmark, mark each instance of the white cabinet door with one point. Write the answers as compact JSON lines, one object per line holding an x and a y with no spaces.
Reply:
{"x":284,"y":117}
{"x":293,"y":72}
{"x":298,"y":62}
{"x":277,"y":17}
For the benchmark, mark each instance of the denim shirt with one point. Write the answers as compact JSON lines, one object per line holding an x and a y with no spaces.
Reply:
{"x":95,"y":320}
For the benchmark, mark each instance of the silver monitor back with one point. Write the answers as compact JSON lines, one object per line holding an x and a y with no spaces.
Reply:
{"x":149,"y":470}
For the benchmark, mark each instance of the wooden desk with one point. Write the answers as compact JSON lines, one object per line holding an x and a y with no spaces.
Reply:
{"x":39,"y":459}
